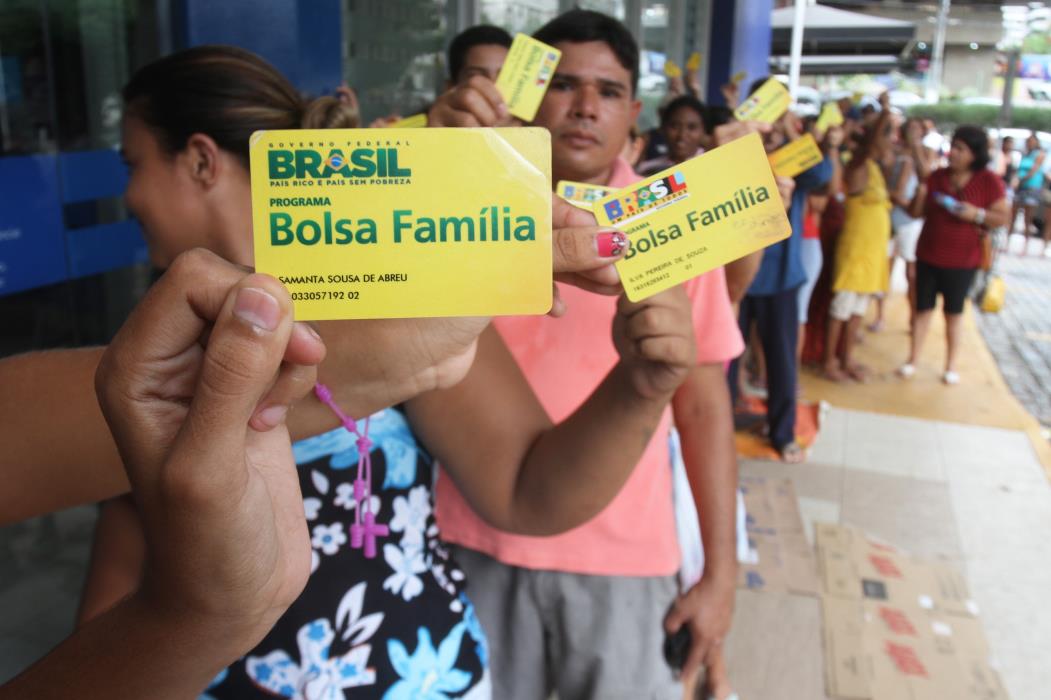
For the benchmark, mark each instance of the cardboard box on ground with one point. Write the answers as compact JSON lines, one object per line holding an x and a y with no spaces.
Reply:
{"x":780,"y":558}
{"x":896,"y":627}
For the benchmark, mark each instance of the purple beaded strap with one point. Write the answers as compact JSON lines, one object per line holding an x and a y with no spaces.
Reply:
{"x":365,"y":530}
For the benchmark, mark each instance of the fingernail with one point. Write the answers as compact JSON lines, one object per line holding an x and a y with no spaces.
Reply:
{"x":503,"y":110}
{"x":257,"y":308}
{"x":310,"y":329}
{"x":611,"y":243}
{"x":272,"y":416}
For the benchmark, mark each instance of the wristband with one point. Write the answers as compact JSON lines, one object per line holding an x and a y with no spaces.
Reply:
{"x":979,"y":218}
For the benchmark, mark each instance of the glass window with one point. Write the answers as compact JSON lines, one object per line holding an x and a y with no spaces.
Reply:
{"x":95,"y":46}
{"x":615,"y":8}
{"x":653,"y":85}
{"x":26,"y":118}
{"x":394,"y":53}
{"x":62,"y":66}
{"x":525,"y":16}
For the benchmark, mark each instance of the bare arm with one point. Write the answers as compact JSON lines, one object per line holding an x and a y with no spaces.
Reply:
{"x":118,"y":553}
{"x":740,"y":273}
{"x":856,"y":176}
{"x":704,"y":419}
{"x":918,"y":206}
{"x":119,"y":655}
{"x":705,"y":423}
{"x":898,"y":196}
{"x":518,"y":471}
{"x":60,"y":452}
{"x":997,"y":214}
{"x":1038,"y":162}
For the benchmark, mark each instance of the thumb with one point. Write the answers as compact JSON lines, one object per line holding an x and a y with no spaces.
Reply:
{"x":676,"y":617}
{"x":241,"y":362}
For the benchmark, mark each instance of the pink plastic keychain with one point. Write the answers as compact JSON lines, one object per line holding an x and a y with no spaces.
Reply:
{"x":365,"y":530}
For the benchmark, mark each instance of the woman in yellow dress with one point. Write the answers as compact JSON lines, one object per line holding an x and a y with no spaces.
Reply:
{"x":860,"y":268}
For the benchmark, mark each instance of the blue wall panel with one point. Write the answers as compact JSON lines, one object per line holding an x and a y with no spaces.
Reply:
{"x":32,"y":253}
{"x":302,"y":38}
{"x":320,"y":69}
{"x":740,"y":40}
{"x":95,"y":249}
{"x":88,"y":175}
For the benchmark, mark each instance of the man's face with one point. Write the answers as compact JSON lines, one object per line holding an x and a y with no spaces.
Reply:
{"x":482,"y":59}
{"x":589,"y":109}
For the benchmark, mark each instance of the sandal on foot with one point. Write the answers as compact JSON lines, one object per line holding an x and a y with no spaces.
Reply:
{"x":907,"y":370}
{"x":859,"y":373}
{"x":951,"y":378}
{"x":834,"y":374}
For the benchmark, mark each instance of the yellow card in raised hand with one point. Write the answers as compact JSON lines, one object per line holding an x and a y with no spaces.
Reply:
{"x":766,"y":104}
{"x":397,"y":223}
{"x":830,"y":116}
{"x":416,"y":121}
{"x":798,"y":156}
{"x":671,"y":69}
{"x":738,"y":77}
{"x":693,"y":62}
{"x":526,"y":75}
{"x":696,"y":216}
{"x":581,"y":194}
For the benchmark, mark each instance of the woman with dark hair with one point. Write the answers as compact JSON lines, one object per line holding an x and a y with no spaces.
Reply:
{"x":682,"y":125}
{"x":961,"y":203}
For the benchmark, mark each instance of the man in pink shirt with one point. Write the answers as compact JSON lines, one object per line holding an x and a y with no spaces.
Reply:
{"x":585,"y":613}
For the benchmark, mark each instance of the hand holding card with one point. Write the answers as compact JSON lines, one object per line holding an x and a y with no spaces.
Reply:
{"x":696,"y":216}
{"x":526,"y":75}
{"x":766,"y":104}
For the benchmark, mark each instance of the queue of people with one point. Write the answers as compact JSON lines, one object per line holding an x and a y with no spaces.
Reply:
{"x":525,"y":533}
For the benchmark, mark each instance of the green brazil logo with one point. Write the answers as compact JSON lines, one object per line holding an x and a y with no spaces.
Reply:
{"x":304,"y":163}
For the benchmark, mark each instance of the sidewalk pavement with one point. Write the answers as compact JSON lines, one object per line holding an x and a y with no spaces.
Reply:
{"x":1019,"y":336}
{"x":950,"y":473}
{"x":973,"y":496}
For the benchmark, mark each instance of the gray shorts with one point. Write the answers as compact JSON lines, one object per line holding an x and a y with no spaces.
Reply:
{"x":584,"y":637}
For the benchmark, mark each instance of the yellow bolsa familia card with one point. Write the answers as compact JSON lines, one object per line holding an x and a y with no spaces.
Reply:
{"x":671,"y":69}
{"x":798,"y":156}
{"x":766,"y":104}
{"x":416,"y":121}
{"x":738,"y":77}
{"x":526,"y":74}
{"x":696,"y":216}
{"x":399,"y":223}
{"x":582,"y":194}
{"x":830,"y":116}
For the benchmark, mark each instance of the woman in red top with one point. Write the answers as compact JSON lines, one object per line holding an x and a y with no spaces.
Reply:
{"x":960,"y":203}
